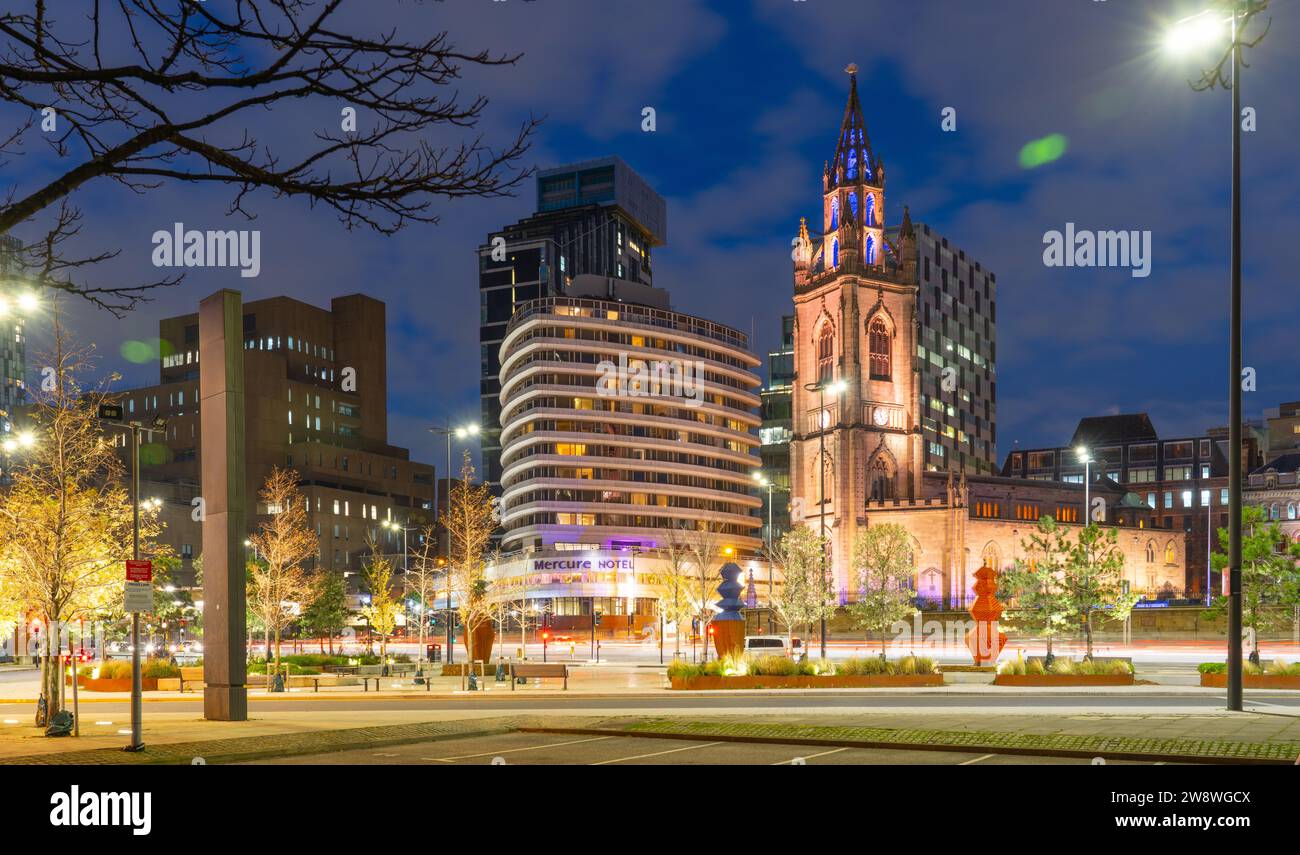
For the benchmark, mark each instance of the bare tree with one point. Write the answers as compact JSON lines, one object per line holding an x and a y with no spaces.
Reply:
{"x":421,"y":580}
{"x":279,"y":584}
{"x":707,"y":550}
{"x":470,"y":521}
{"x":146,"y":93}
{"x":383,"y":605}
{"x":675,"y":602}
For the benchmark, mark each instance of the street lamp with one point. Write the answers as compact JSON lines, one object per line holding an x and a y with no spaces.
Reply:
{"x":393,"y":525}
{"x":1202,"y":29}
{"x":461,"y":432}
{"x":834,"y":388}
{"x":1085,"y":458}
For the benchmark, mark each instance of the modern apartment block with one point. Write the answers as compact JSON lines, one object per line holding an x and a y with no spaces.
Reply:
{"x":775,"y":433}
{"x":316,"y":401}
{"x":956,"y":355}
{"x":596,"y":217}
{"x":13,"y":335}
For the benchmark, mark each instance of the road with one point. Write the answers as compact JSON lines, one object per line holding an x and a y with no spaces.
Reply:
{"x":545,"y":749}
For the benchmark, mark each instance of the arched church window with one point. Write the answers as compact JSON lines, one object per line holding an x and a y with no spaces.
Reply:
{"x":881,"y":481}
{"x":835,"y":252}
{"x":1171,"y":557}
{"x":871,"y":209}
{"x":853,"y":164}
{"x":826,"y":354}
{"x":1151,"y":553}
{"x":878,"y":345}
{"x":853,"y":204}
{"x":835,"y":213}
{"x":871,"y":250}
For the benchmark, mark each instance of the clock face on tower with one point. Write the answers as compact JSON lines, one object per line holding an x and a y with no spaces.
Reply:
{"x":880,"y":416}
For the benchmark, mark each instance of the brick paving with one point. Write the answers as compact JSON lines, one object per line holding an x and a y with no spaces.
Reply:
{"x":1170,"y":748}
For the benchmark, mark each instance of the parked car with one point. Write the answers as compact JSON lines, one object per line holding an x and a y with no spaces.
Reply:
{"x":122,"y":650}
{"x":770,"y":645}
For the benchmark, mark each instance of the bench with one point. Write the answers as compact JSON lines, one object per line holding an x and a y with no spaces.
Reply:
{"x":348,"y":670}
{"x":541,"y":670}
{"x":193,"y":674}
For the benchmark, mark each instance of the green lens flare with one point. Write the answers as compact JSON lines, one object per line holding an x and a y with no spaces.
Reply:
{"x":138,"y":352}
{"x":1040,"y":151}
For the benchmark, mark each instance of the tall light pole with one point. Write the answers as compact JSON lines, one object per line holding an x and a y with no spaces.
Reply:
{"x":1198,"y":30}
{"x":1085,"y":458}
{"x":112,"y":414}
{"x":823,"y":422}
{"x":393,"y":525}
{"x":461,"y":432}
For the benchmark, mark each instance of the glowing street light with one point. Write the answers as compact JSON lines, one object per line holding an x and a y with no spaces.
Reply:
{"x":1195,"y":32}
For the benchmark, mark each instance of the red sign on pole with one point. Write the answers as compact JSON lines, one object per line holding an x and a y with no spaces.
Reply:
{"x":139,"y":571}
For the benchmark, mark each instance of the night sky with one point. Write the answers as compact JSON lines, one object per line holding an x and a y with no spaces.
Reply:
{"x":749,"y":97}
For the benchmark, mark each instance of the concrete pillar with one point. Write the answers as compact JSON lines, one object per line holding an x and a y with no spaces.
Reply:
{"x":221,"y":396}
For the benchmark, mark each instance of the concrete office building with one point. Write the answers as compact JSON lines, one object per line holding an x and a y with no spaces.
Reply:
{"x":316,"y":401}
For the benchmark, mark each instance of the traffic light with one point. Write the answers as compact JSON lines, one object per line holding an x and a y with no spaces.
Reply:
{"x":546,"y":636}
{"x":710,"y":630}
{"x":597,"y":618}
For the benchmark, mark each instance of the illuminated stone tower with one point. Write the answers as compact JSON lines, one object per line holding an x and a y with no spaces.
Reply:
{"x":855,"y":298}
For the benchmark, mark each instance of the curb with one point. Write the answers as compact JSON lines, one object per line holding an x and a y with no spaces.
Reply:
{"x":912,"y":746}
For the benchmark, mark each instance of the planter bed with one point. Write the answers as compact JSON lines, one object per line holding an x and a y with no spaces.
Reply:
{"x":863,"y":681}
{"x":1063,"y":680}
{"x":148,"y":684}
{"x":1252,"y":681}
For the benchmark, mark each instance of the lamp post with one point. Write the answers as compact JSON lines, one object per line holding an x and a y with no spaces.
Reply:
{"x":1086,"y":459}
{"x":1199,"y":30}
{"x":393,"y":525}
{"x":112,"y":413}
{"x":835,"y":388}
{"x":460,"y":433}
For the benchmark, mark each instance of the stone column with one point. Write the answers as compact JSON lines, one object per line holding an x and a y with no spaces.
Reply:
{"x":221,"y":396}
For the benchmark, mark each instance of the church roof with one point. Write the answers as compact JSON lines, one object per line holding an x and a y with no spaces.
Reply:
{"x":853,"y":148}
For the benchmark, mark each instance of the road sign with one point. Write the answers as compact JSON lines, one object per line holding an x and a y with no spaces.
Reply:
{"x":138,"y":597}
{"x":139,"y":570}
{"x":112,"y":412}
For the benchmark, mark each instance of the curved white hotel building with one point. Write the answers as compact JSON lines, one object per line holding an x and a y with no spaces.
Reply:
{"x":622,"y":424}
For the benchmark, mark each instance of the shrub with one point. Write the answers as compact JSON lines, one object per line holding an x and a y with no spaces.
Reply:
{"x":681,"y":669}
{"x":1063,"y":666}
{"x":1212,"y":667}
{"x":1033,"y":666}
{"x":159,"y":668}
{"x":778,"y":666}
{"x":1280,"y":668}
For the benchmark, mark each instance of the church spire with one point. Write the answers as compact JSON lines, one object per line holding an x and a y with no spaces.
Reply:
{"x":854,"y":162}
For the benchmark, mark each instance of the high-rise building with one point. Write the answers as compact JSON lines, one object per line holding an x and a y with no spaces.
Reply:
{"x":957,"y":354}
{"x":596,"y":217}
{"x":775,"y":434}
{"x":13,"y":335}
{"x":316,"y":401}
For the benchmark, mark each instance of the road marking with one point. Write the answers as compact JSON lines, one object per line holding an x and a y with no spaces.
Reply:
{"x":655,"y":754}
{"x":810,"y":756}
{"x":976,"y":760}
{"x":514,"y":750}
{"x":382,"y":754}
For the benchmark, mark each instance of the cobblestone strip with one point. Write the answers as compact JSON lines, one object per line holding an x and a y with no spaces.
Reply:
{"x":1045,"y":743}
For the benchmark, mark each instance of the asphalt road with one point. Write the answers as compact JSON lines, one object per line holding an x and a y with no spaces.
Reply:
{"x":538,"y":749}
{"x":945,"y":702}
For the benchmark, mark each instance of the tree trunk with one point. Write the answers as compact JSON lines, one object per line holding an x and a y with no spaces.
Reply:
{"x":1087,"y":634}
{"x":277,"y":649}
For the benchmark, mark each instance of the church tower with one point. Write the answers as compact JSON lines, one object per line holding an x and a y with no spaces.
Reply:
{"x":856,"y":411}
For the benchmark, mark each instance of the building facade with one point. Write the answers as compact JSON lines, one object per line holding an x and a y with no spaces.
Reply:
{"x":775,"y":435}
{"x":894,"y":399}
{"x":622,"y":422}
{"x":596,"y":218}
{"x":13,"y":335}
{"x":316,"y":401}
{"x":1183,"y":480}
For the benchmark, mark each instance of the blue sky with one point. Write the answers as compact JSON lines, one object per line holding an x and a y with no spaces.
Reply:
{"x":749,"y":96}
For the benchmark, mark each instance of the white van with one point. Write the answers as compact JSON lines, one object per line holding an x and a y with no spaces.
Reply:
{"x":769,"y":645}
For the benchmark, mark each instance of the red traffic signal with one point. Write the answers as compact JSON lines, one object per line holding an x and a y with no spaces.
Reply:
{"x":545,"y":636}
{"x":710,"y":630}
